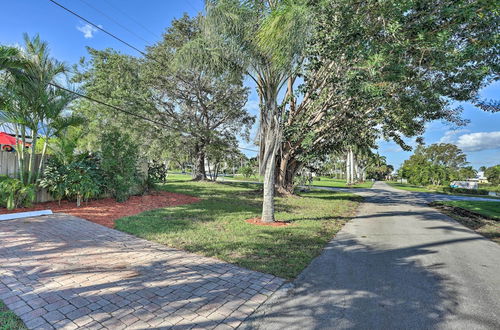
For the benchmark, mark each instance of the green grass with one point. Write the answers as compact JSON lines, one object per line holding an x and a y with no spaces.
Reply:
{"x":485,"y":218}
{"x":339,"y":183}
{"x":488,"y":209}
{"x":176,"y":177}
{"x":216,"y":225}
{"x":434,"y":189}
{"x":9,"y":320}
{"x":238,"y":177}
{"x":409,"y":187}
{"x":490,"y":187}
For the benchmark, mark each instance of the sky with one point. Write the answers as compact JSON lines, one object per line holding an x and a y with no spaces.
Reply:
{"x":141,"y":23}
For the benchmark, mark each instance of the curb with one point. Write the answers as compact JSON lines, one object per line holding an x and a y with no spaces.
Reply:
{"x":251,"y":322}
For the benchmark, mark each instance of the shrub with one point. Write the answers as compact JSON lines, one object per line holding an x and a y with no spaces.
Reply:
{"x":157,"y":172}
{"x":247,"y":171}
{"x":78,"y":180}
{"x":14,"y":194}
{"x":493,"y":174}
{"x":119,"y":163}
{"x":465,"y":191}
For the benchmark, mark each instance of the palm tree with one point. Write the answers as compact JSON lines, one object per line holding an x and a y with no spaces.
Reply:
{"x":265,"y":39}
{"x":31,"y":104}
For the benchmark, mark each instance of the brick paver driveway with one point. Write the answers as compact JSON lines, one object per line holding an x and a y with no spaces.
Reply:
{"x":64,"y":272}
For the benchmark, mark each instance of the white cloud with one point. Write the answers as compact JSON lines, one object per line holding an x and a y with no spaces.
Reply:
{"x":452,"y":136}
{"x":87,"y":30}
{"x":479,"y":141}
{"x":252,"y":106}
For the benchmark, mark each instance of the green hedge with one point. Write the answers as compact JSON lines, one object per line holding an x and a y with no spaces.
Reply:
{"x":465,"y":191}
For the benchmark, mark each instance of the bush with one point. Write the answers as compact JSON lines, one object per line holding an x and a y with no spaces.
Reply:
{"x":14,"y":194}
{"x":157,"y":172}
{"x":79,"y":180}
{"x":119,"y":164}
{"x":247,"y":171}
{"x":465,"y":191}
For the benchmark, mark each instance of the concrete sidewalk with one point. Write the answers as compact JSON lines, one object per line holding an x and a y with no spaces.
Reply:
{"x":398,"y":265}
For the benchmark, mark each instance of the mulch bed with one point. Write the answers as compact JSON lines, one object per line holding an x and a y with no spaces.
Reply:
{"x":258,"y":222}
{"x":105,"y":211}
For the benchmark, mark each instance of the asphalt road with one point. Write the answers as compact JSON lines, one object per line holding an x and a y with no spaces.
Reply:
{"x":398,"y":265}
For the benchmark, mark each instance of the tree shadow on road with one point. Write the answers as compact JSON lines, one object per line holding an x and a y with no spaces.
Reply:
{"x":353,"y":286}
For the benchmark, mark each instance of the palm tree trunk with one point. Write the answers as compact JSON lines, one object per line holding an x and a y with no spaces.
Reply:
{"x":272,"y":135}
{"x":40,"y":166}
{"x":19,"y":154}
{"x":269,"y":182}
{"x":31,"y":165}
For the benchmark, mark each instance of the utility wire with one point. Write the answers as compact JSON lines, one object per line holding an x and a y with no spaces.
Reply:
{"x":115,"y":21}
{"x":132,"y":18}
{"x":104,"y":103}
{"x":99,"y":28}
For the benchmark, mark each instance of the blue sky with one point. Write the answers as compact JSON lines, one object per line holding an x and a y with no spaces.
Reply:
{"x":67,"y":36}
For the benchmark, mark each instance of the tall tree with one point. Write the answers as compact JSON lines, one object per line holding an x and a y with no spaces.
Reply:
{"x":388,"y":67}
{"x":192,"y":99}
{"x":436,"y":164}
{"x":264,"y":39}
{"x":32,"y":105}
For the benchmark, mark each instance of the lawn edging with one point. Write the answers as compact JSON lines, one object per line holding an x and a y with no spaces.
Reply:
{"x":482,"y":224}
{"x":9,"y":320}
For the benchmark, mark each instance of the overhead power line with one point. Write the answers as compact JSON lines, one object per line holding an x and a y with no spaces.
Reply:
{"x":99,"y":28}
{"x":132,"y":19}
{"x":102,"y":102}
{"x":105,"y":104}
{"x":115,"y":21}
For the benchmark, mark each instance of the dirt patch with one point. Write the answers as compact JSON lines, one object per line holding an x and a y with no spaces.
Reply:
{"x":483,"y":225}
{"x":105,"y":211}
{"x":258,"y":222}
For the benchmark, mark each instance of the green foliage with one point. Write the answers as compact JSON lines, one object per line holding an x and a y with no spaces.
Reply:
{"x":78,"y":180}
{"x":493,"y":174}
{"x":215,"y":226}
{"x":157,"y":172}
{"x":30,"y":104}
{"x":437,"y":165}
{"x":14,"y":194}
{"x":119,"y":163}
{"x":386,"y":68}
{"x":465,"y":191}
{"x":247,"y":171}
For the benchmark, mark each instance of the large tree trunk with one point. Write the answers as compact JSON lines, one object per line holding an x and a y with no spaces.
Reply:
{"x":288,"y":166}
{"x":348,"y":167}
{"x":199,"y":172}
{"x":271,"y":132}
{"x":269,"y":182}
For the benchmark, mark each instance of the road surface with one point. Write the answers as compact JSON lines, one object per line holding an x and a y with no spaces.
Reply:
{"x":398,"y":265}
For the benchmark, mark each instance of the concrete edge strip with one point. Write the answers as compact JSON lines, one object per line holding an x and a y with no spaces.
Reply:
{"x":12,"y":216}
{"x":260,"y":312}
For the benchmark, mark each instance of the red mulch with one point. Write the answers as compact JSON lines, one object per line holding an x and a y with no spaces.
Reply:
{"x":258,"y":222}
{"x":105,"y":211}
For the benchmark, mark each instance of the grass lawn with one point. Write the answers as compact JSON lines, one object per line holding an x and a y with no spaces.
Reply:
{"x":215,"y":226}
{"x":9,"y":320}
{"x":339,"y":183}
{"x":410,"y":187}
{"x":256,"y":178}
{"x":487,"y":222}
{"x":488,"y":209}
{"x":176,"y":177}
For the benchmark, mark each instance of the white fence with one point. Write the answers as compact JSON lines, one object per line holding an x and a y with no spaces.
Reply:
{"x":9,"y":166}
